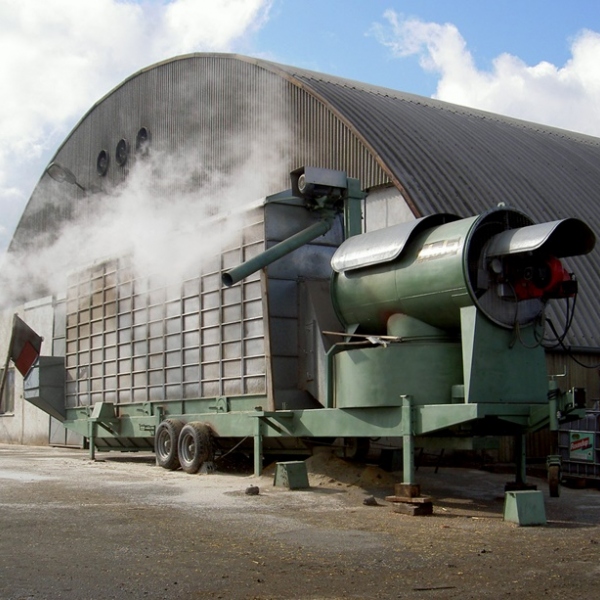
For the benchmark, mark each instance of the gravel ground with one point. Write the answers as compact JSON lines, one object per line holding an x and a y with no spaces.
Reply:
{"x":121,"y":527}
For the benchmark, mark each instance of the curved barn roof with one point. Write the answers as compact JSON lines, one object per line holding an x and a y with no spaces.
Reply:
{"x":441,"y":157}
{"x":445,"y":156}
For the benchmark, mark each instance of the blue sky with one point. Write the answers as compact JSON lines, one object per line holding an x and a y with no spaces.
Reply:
{"x":332,"y":36}
{"x":532,"y":59}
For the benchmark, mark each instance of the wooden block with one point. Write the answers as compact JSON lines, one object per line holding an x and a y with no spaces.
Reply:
{"x":414,"y":510}
{"x":414,"y":500}
{"x":407,"y":490}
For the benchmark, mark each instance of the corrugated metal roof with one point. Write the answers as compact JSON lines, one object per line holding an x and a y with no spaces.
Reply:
{"x":447,"y":156}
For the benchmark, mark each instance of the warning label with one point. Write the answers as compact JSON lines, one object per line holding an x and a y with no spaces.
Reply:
{"x":581,"y":446}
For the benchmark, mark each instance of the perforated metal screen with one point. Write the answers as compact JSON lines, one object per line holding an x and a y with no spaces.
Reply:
{"x":134,"y":339}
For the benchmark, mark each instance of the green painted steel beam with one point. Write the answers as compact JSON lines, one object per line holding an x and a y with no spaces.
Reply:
{"x":322,"y":422}
{"x":429,"y":418}
{"x":353,"y":208}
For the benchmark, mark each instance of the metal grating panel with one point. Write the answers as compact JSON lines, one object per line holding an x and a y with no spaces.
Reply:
{"x":134,"y":339}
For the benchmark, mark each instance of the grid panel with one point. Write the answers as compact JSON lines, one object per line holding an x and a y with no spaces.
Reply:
{"x":132,"y":339}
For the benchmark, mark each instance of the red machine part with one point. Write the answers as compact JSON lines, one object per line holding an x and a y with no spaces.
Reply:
{"x":541,"y":278}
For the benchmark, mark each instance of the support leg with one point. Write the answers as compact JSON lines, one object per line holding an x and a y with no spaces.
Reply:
{"x":520,"y":461}
{"x":520,"y":482}
{"x":258,"y":448}
{"x":408,"y":444}
{"x":408,"y":499}
{"x":408,"y":460}
{"x":92,"y":440}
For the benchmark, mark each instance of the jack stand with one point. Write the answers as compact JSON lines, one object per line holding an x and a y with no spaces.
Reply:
{"x":407,"y":499}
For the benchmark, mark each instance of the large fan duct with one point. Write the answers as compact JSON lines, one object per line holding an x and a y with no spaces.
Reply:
{"x":430,"y":268}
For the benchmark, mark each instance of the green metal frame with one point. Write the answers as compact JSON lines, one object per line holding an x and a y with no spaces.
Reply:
{"x":388,"y":390}
{"x":405,"y":421}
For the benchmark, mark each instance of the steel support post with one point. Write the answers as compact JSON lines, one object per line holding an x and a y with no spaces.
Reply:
{"x":520,"y":460}
{"x":553,"y":405}
{"x":258,"y":448}
{"x":353,"y":208}
{"x":92,"y":439}
{"x":408,"y":443}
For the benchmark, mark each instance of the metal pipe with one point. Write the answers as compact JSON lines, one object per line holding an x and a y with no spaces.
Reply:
{"x":265,"y":258}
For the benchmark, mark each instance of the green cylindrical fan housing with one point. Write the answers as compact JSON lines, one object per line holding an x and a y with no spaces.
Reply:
{"x":432,"y":267}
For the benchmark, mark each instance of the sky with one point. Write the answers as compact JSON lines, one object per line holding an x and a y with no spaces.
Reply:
{"x":537,"y":60}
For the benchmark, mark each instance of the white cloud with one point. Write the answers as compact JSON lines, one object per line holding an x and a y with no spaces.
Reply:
{"x":57,"y":57}
{"x":562,"y":96}
{"x":188,"y":22}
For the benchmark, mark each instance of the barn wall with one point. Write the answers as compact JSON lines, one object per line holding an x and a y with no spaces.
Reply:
{"x":571,"y":374}
{"x":26,"y":424}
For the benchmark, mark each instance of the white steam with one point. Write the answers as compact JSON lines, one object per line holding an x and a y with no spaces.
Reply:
{"x":164,"y":223}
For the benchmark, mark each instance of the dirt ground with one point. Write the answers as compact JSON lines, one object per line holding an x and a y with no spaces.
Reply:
{"x":121,"y":527}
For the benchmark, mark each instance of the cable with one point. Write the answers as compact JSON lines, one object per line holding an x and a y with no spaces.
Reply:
{"x":570,"y":312}
{"x":232,"y":449}
{"x":517,"y":327}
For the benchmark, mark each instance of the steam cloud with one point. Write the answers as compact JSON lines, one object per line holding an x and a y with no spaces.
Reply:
{"x":161,"y":219}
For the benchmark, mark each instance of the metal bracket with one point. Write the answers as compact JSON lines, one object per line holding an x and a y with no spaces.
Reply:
{"x":271,"y":418}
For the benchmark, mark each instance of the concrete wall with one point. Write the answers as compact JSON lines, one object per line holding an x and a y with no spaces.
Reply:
{"x":26,"y":424}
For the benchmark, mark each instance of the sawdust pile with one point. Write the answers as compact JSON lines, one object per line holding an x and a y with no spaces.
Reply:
{"x":326,"y":469}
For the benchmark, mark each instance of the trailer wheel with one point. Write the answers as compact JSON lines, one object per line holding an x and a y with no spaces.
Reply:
{"x":195,"y":446}
{"x":165,"y":444}
{"x":356,"y":449}
{"x":554,"y":481}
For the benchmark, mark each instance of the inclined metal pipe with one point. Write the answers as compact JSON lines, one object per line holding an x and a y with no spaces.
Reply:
{"x":265,"y":258}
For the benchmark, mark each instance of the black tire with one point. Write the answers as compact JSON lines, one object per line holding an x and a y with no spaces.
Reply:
{"x":554,"y":481}
{"x":166,"y":441}
{"x":195,"y":446}
{"x":356,"y":449}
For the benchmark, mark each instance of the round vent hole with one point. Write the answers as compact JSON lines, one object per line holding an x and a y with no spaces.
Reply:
{"x":102,"y":163}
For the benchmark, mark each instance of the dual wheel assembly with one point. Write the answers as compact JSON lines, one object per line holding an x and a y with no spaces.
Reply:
{"x":187,"y":446}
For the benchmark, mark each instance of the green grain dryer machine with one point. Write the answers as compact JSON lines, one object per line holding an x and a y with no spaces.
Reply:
{"x":432,"y":330}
